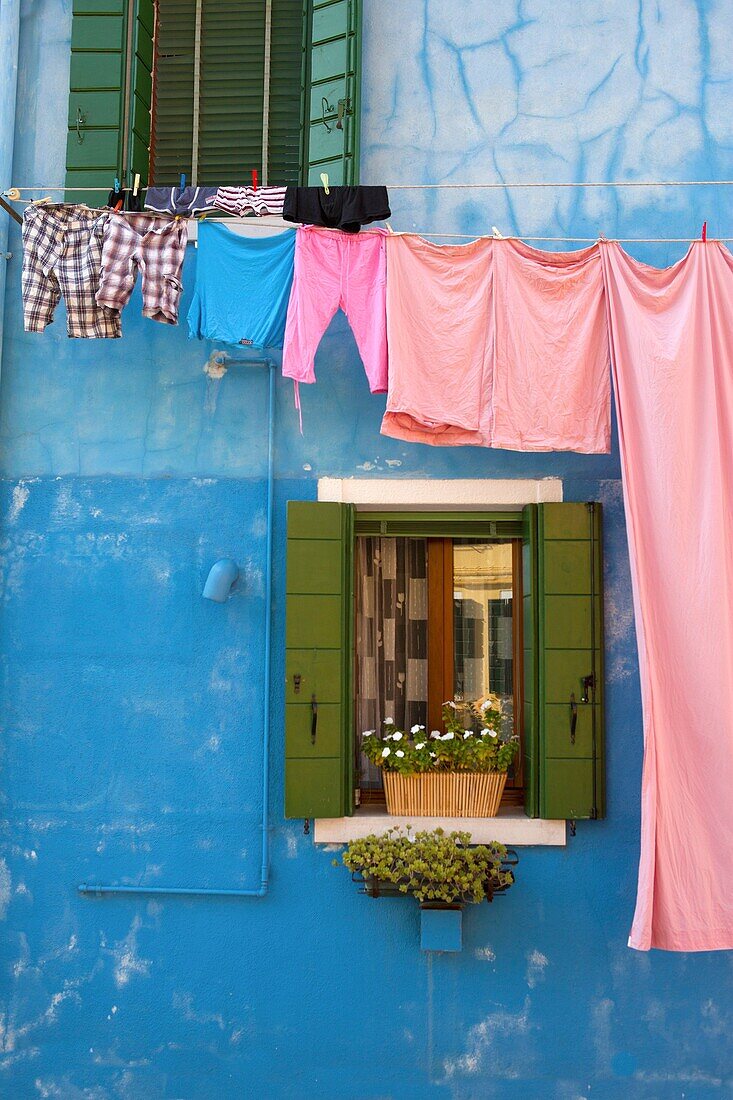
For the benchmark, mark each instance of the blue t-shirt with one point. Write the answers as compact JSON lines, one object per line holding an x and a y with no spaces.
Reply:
{"x":242,"y":287}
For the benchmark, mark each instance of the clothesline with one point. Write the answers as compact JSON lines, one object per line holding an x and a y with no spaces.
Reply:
{"x":470,"y":186}
{"x":260,"y":224}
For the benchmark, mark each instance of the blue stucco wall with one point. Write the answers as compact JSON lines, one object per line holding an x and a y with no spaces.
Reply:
{"x":132,"y":708}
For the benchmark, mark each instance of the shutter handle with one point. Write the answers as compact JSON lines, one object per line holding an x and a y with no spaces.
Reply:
{"x":314,"y":718}
{"x":80,"y":121}
{"x":573,"y":717}
{"x":343,"y":109}
{"x":589,"y":684}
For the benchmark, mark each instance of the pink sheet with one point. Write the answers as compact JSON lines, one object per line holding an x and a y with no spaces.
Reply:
{"x":497,"y":344}
{"x":439,"y":334}
{"x":672,"y":352}
{"x":552,"y":382}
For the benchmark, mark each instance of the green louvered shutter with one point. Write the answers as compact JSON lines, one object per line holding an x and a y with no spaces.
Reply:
{"x":173,"y":92}
{"x":530,"y":694}
{"x":94,"y":146}
{"x":110,"y":92}
{"x":286,"y":91}
{"x":570,"y":647}
{"x":334,"y":66}
{"x":318,"y":659}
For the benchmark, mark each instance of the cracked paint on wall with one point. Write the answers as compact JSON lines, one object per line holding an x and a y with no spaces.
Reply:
{"x":131,"y":708}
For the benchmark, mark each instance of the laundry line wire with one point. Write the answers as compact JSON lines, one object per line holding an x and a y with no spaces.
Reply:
{"x":510,"y":184}
{"x":256,"y":224}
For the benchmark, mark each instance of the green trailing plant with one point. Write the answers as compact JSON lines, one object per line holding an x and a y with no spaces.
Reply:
{"x":433,"y":866}
{"x":475,"y":739}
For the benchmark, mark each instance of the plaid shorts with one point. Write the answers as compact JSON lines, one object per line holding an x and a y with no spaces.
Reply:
{"x":154,"y":246}
{"x":62,"y":255}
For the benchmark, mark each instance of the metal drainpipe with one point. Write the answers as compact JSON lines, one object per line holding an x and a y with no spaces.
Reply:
{"x":261,"y":890}
{"x":9,"y":49}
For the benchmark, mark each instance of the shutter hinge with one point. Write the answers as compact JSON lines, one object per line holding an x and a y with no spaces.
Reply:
{"x":306,"y":826}
{"x":571,"y":826}
{"x":589,"y":684}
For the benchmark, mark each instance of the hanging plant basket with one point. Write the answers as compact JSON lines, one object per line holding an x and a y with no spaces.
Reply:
{"x":444,"y":794}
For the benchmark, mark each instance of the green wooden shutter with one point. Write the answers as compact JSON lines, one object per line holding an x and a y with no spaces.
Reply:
{"x":94,"y":151}
{"x":334,"y":68}
{"x":286,"y":91}
{"x":318,"y":660}
{"x":530,"y":641}
{"x":110,"y":92}
{"x":232,"y":90}
{"x":570,"y":648}
{"x":173,"y":92}
{"x":140,"y":96}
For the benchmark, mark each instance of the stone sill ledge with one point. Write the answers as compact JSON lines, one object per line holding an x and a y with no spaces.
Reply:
{"x":511,"y":827}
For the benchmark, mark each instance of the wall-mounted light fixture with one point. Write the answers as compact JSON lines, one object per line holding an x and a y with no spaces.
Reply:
{"x":221,"y":580}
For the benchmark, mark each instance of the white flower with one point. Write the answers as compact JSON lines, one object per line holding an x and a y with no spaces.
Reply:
{"x":484,"y":732}
{"x":396,"y":736}
{"x":419,"y":744}
{"x":387,"y":737}
{"x":386,"y":752}
{"x":416,"y":729}
{"x":467,"y":734}
{"x":368,"y":733}
{"x":389,"y":721}
{"x":399,"y":753}
{"x":433,"y":755}
{"x":436,"y":733}
{"x":486,"y":705}
{"x":493,"y":733}
{"x":450,"y":703}
{"x":448,"y":736}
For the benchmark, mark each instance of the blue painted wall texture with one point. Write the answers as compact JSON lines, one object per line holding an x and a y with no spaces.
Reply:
{"x":132,"y":708}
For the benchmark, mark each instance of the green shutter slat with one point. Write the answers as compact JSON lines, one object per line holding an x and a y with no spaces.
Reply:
{"x":318,"y":632}
{"x":334,"y":65}
{"x":479,"y":525}
{"x":569,"y":646}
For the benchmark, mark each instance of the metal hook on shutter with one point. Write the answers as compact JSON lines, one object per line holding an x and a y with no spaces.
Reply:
{"x":80,"y":121}
{"x":326,"y":106}
{"x":573,"y":717}
{"x":314,"y":718}
{"x":343,"y":109}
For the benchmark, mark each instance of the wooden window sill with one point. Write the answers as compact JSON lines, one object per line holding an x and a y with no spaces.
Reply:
{"x":511,"y":827}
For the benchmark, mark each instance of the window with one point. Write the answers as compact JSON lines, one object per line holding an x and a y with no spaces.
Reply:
{"x":213,"y":89}
{"x":436,"y":619}
{"x":556,"y":651}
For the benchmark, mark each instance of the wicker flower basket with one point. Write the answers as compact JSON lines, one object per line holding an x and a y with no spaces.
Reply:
{"x":444,"y":794}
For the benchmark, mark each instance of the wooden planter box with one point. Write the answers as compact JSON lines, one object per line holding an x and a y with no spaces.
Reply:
{"x":444,"y":794}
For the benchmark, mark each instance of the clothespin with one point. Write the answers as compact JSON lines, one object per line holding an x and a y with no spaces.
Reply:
{"x":389,"y":228}
{"x":183,"y":180}
{"x":496,"y":234}
{"x":704,"y":235}
{"x":136,"y":184}
{"x":254,"y":179}
{"x":41,"y":202}
{"x":324,"y":181}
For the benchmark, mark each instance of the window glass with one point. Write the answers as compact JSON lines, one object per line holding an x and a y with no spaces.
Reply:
{"x":483,"y":636}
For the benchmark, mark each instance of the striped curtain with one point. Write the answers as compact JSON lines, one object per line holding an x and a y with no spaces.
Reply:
{"x":391,"y":638}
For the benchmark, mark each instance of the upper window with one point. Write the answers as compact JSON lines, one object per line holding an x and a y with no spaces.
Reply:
{"x":212,"y":89}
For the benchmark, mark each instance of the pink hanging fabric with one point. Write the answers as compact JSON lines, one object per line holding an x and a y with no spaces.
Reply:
{"x":672,"y":352}
{"x":440,"y":338}
{"x":497,"y":344}
{"x":552,"y":382}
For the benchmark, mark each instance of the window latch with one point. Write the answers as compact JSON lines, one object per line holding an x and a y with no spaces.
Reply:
{"x":314,"y":718}
{"x":589,"y":684}
{"x":80,"y":120}
{"x":573,"y":717}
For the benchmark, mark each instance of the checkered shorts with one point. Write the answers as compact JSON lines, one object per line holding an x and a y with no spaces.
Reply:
{"x":154,"y":246}
{"x":62,"y":255}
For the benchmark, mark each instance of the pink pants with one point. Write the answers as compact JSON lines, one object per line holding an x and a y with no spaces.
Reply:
{"x":335,"y":270}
